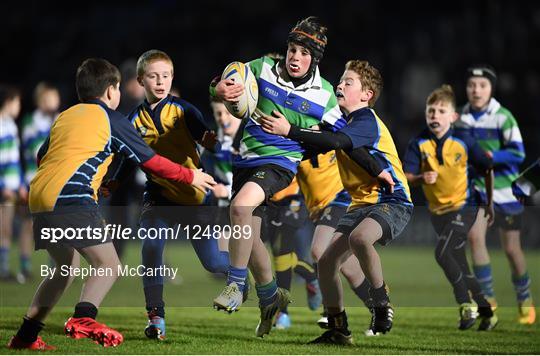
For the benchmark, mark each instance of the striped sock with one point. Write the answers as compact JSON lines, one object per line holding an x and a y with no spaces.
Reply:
{"x":238,"y":276}
{"x":25,"y":263}
{"x":4,"y":260}
{"x":521,"y":286}
{"x":267,"y":293}
{"x":484,"y":277}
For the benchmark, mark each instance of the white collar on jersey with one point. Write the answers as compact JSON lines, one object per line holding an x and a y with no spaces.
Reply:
{"x":314,"y":83}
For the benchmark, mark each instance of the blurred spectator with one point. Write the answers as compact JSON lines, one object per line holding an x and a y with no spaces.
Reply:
{"x":11,"y":185}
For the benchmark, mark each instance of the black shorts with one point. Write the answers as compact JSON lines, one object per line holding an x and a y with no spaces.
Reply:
{"x":330,"y":215}
{"x":459,"y":221}
{"x":392,"y":217}
{"x":270,"y":177}
{"x":80,"y":228}
{"x":508,"y":222}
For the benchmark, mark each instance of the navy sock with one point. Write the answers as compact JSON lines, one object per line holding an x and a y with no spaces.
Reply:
{"x":29,"y":329}
{"x":362,"y":291}
{"x":85,"y":310}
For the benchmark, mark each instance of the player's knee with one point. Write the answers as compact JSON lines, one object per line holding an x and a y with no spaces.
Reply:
{"x":512,"y":250}
{"x":477,"y":240}
{"x":316,"y":253}
{"x":360,"y":241}
{"x":239,"y":209}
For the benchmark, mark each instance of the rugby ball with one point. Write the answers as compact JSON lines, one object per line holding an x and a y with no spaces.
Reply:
{"x":245,"y":106}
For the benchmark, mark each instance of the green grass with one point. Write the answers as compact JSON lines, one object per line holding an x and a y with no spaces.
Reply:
{"x":425,"y":321}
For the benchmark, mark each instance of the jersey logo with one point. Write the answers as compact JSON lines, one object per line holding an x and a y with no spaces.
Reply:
{"x":272,"y":92}
{"x":326,"y":214}
{"x":259,"y":174}
{"x":304,"y":107}
{"x":425,"y":156}
{"x":457,"y":158}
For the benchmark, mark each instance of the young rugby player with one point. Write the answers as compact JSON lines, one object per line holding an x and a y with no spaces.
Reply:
{"x":63,"y":195}
{"x":439,"y":160}
{"x":376,"y":214}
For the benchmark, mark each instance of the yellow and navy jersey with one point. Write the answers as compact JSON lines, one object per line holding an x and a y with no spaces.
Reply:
{"x":320,"y":182}
{"x":77,"y":153}
{"x":450,"y":156}
{"x":366,"y":129}
{"x":171,"y":130}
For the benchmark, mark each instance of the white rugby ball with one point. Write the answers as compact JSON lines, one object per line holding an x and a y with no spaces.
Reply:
{"x":247,"y":103}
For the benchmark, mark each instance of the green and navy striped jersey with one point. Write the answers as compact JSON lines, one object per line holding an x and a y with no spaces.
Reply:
{"x":10,"y":165}
{"x":35,"y":129}
{"x":496,"y":130}
{"x":311,"y":103}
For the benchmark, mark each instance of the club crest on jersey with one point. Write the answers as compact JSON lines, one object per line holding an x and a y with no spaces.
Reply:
{"x":458,"y":220}
{"x":457,"y":158}
{"x":304,"y":107}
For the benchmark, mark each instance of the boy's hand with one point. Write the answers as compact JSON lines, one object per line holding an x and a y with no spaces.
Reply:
{"x":228,"y":90}
{"x":386,"y":179}
{"x":220,"y":191}
{"x":490,"y":214}
{"x":430,"y":177}
{"x":8,"y":195}
{"x":202,"y":180}
{"x":209,"y":140}
{"x":108,"y":187}
{"x":276,"y":124}
{"x":23,"y":195}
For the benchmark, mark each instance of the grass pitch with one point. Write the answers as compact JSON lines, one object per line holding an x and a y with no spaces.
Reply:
{"x":425,"y":321}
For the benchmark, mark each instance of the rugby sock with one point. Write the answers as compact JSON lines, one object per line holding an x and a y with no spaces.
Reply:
{"x":25,"y":263}
{"x":521,"y":286}
{"x":362,"y":291}
{"x":379,"y":295}
{"x":267,"y":293}
{"x":238,"y":276}
{"x":158,"y":311}
{"x":85,"y":310}
{"x":485,"y":278}
{"x":29,"y":330}
{"x":4,"y":261}
{"x":471,"y":282}
{"x":339,"y":321}
{"x":154,"y":299}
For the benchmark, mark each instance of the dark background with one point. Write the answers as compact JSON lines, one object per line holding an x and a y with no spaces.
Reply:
{"x":417,"y":46}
